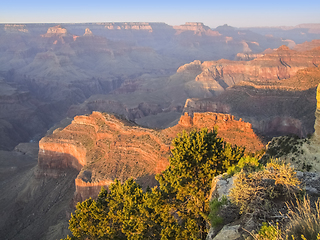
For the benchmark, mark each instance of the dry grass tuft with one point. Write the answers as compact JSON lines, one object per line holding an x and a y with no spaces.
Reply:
{"x":304,"y":220}
{"x":254,"y":192}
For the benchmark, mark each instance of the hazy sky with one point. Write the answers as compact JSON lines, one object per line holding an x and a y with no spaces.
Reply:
{"x":213,"y":13}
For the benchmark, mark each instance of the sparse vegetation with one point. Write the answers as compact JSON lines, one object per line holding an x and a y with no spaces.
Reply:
{"x":284,"y":145}
{"x":215,"y":206}
{"x":303,"y":224}
{"x":247,"y":164}
{"x":254,"y":192}
{"x":178,"y":209}
{"x":269,"y":232}
{"x":304,"y":219}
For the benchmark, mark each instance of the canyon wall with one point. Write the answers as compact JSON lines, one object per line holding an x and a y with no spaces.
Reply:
{"x":282,"y":63}
{"x":272,"y":112}
{"x":103,"y":148}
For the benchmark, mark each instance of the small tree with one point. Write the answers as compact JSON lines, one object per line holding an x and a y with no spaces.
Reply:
{"x":179,"y":209}
{"x":125,"y":212}
{"x":196,"y":159}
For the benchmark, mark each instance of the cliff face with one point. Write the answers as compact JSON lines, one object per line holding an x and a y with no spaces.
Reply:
{"x":282,"y":63}
{"x":236,"y":132}
{"x":56,"y":31}
{"x":274,"y":109}
{"x":103,"y":147}
{"x":197,"y":28}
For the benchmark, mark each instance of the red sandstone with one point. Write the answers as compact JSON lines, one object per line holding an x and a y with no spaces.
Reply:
{"x":109,"y":148}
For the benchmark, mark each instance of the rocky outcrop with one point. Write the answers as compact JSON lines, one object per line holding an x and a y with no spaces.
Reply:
{"x":196,"y":65}
{"x":115,"y":107}
{"x":228,"y":232}
{"x":235,"y":226}
{"x":231,"y":130}
{"x":282,"y":63}
{"x":103,"y":147}
{"x":196,"y":27}
{"x":56,"y":31}
{"x":88,"y":32}
{"x":192,"y":26}
{"x":264,"y":119}
{"x":270,"y":106}
{"x":307,"y":46}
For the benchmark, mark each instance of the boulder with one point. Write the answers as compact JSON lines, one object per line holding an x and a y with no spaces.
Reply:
{"x":228,"y":232}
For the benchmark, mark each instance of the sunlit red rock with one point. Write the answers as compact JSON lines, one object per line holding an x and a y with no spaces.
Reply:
{"x":103,"y":148}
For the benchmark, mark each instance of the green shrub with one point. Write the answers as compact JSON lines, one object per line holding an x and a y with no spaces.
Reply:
{"x":269,"y":232}
{"x":248,"y":164}
{"x":215,"y":206}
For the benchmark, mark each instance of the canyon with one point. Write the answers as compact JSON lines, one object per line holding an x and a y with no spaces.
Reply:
{"x":62,"y":86}
{"x":103,"y":147}
{"x":127,"y":68}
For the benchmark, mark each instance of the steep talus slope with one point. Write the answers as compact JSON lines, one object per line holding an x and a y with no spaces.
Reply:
{"x":103,"y":147}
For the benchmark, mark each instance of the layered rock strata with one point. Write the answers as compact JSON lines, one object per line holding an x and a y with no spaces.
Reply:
{"x":56,"y":31}
{"x":103,"y":148}
{"x":273,"y":107}
{"x":282,"y":63}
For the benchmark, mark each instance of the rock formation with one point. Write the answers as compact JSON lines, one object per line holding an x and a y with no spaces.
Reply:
{"x":307,"y":46}
{"x":236,"y":226}
{"x":196,"y":27}
{"x":103,"y":147}
{"x":302,"y":153}
{"x":282,"y":63}
{"x":270,"y":106}
{"x":88,"y":32}
{"x":316,"y":135}
{"x":128,"y":65}
{"x":56,"y":31}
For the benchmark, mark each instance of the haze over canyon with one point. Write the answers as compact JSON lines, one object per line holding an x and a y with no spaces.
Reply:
{"x":84,"y":104}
